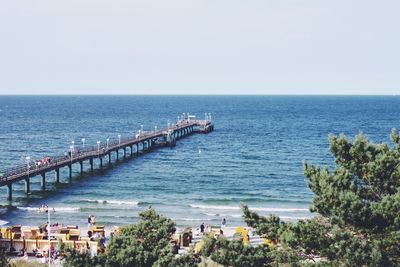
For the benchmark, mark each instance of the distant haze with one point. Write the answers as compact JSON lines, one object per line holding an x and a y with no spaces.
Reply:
{"x":199,"y":47}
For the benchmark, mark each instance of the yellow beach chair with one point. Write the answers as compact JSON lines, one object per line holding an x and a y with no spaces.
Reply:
{"x":198,"y":246}
{"x":268,"y":242}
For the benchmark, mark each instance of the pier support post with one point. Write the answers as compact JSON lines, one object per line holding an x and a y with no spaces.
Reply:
{"x":125,"y":152}
{"x":43,"y":181}
{"x":131,"y":151}
{"x":9,"y":192}
{"x":27,"y":186}
{"x":70,"y":171}
{"x":117,"y":154}
{"x":91,"y":164}
{"x":81,"y":165}
{"x":137,"y":149}
{"x":101,"y":162}
{"x":57,"y":176}
{"x":109,"y":158}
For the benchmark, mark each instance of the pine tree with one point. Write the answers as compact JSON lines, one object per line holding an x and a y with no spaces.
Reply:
{"x":358,"y":202}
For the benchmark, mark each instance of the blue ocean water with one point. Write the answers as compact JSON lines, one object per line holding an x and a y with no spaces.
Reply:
{"x":254,"y":155}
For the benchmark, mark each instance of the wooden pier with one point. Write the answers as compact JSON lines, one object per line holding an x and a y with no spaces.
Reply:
{"x":136,"y":145}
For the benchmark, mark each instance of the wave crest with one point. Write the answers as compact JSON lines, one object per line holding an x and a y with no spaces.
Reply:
{"x":115,"y":202}
{"x":220,"y":207}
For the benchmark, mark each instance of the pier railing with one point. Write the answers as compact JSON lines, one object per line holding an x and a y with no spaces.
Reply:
{"x":32,"y":168}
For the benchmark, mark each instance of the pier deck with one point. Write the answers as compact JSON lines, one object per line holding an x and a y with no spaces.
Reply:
{"x":138,"y":143}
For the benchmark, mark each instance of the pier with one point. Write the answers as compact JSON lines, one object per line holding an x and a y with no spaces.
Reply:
{"x":137,"y":144}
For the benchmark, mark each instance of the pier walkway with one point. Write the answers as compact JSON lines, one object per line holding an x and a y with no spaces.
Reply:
{"x":136,"y":144}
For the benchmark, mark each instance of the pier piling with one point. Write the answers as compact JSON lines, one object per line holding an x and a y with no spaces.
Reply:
{"x":140,"y":143}
{"x":27,"y":186}
{"x":43,"y":181}
{"x":57,"y":176}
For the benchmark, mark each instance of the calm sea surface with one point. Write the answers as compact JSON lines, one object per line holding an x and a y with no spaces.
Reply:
{"x":254,"y":155}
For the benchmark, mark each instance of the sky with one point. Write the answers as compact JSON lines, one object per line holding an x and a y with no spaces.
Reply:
{"x":199,"y":47}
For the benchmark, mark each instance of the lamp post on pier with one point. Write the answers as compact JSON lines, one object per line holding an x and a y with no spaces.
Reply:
{"x":119,"y":140}
{"x":108,"y":139}
{"x":83,"y":143}
{"x":71,"y":150}
{"x":98,"y":148}
{"x":27,"y":164}
{"x":155,"y":129}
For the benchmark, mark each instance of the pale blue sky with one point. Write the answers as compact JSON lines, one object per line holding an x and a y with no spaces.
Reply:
{"x":199,"y":47}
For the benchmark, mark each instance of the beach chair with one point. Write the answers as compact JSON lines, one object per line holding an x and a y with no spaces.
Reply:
{"x":30,"y":246}
{"x":43,"y":245}
{"x":6,"y":233}
{"x":26,"y":234}
{"x":74,"y":234}
{"x":35,"y":232}
{"x":198,"y":246}
{"x":6,"y":244}
{"x":18,"y":245}
{"x":60,"y":236}
{"x":98,"y":229}
{"x":53,"y":229}
{"x":81,"y":246}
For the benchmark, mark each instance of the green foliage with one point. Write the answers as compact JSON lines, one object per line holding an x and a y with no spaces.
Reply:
{"x":235,"y":253}
{"x":26,"y":263}
{"x":4,"y":260}
{"x":141,"y":245}
{"x":268,"y":227}
{"x":74,"y":258}
{"x":359,"y":201}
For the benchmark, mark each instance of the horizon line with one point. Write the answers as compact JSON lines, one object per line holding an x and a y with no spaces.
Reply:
{"x":306,"y":94}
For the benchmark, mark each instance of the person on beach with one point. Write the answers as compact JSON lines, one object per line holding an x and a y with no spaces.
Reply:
{"x":202,"y":228}
{"x":89,"y":220}
{"x":223,"y":223}
{"x":93,"y":220}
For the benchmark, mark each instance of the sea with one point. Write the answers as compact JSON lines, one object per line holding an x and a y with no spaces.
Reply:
{"x":255,"y":155}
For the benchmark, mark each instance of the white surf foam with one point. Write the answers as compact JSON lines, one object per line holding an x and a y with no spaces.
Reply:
{"x":60,"y":209}
{"x":224,"y":215}
{"x":191,"y":219}
{"x":115,"y":202}
{"x":3,"y":222}
{"x":216,"y":207}
{"x":293,"y":218}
